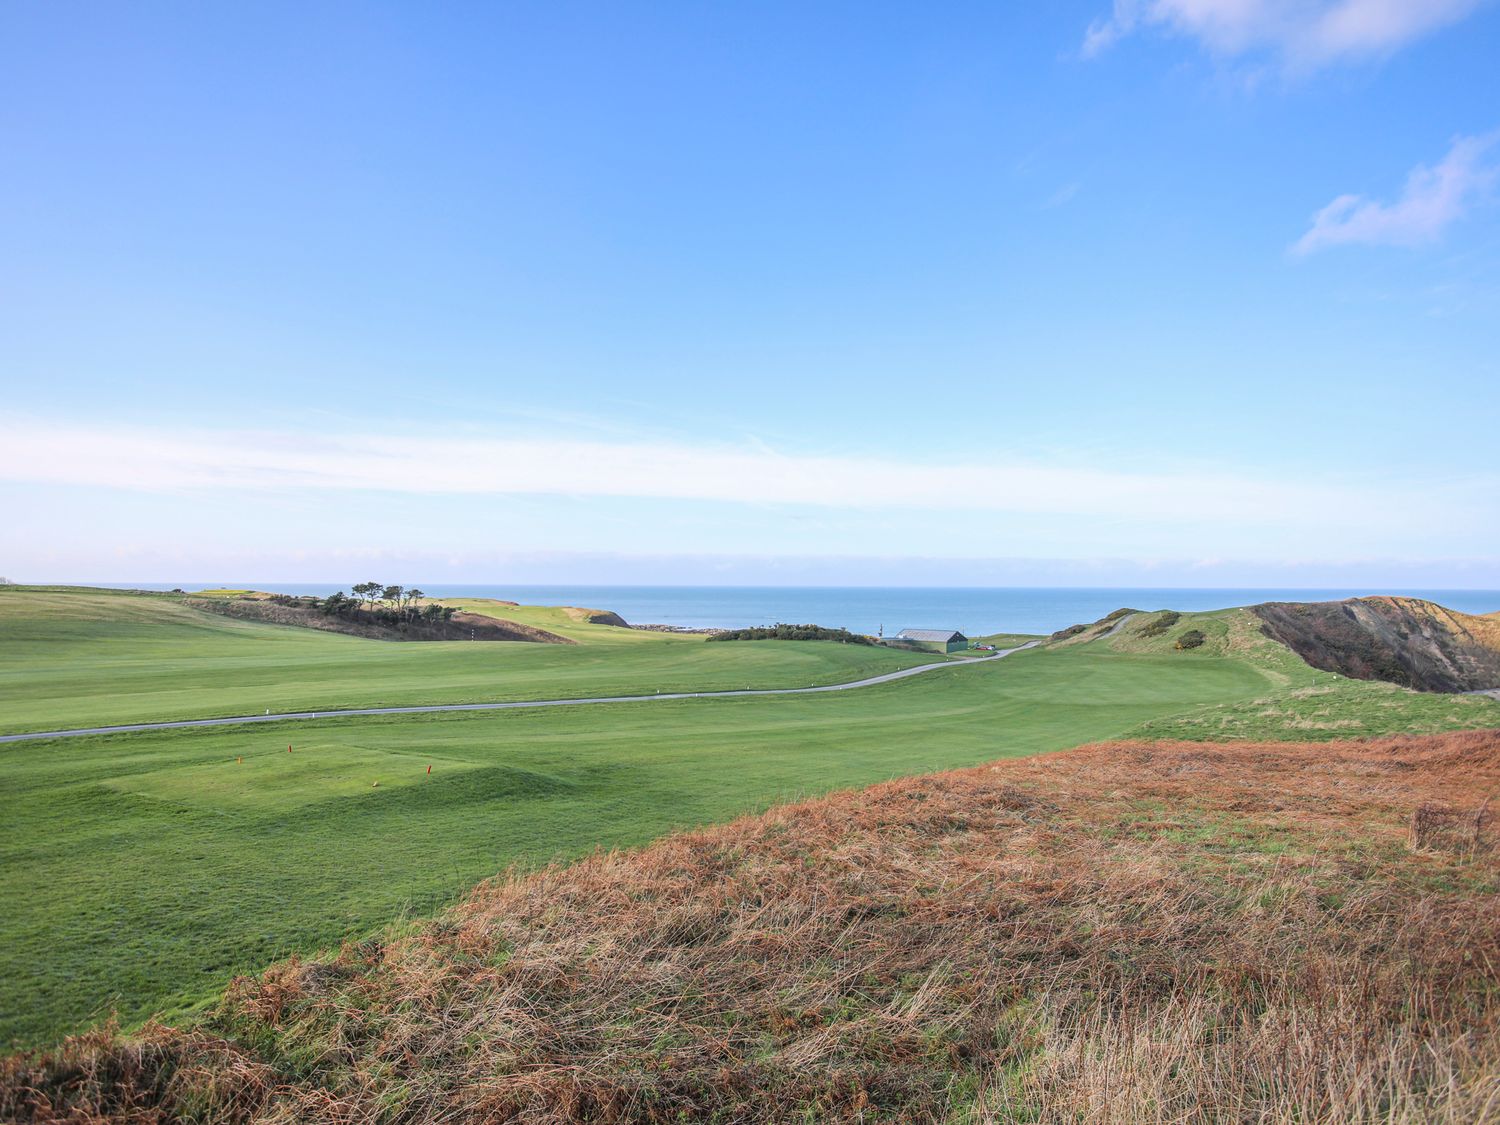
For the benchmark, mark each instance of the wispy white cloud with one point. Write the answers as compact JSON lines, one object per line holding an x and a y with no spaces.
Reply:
{"x":1063,"y":195}
{"x":1304,"y":33}
{"x":1433,"y":199}
{"x":204,"y":462}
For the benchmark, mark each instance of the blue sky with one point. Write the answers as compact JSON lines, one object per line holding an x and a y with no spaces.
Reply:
{"x":1169,"y":291}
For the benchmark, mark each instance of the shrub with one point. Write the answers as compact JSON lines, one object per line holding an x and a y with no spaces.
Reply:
{"x":1159,"y":625}
{"x":1193,"y":638}
{"x":781,"y":632}
{"x":338,"y":605}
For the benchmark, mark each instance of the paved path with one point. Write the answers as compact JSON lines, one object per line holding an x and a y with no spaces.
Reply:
{"x":1120,"y":624}
{"x":517,"y":705}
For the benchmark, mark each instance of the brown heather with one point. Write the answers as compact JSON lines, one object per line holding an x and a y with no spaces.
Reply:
{"x":1120,"y":933}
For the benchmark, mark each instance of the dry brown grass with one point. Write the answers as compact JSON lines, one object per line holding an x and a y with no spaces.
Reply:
{"x":1121,"y":933}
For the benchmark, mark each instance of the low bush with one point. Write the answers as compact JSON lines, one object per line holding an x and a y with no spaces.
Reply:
{"x":781,"y":632}
{"x":1159,"y":625}
{"x":341,"y":605}
{"x":1193,"y":638}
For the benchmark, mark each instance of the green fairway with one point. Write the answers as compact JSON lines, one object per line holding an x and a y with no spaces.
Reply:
{"x":319,"y":770}
{"x":146,"y":868}
{"x":143,"y":870}
{"x":89,"y":658}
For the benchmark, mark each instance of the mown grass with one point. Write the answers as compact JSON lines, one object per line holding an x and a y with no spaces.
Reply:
{"x":1336,"y":709}
{"x":1009,"y":640}
{"x":1127,"y":933}
{"x":144,"y":869}
{"x":78,"y":658}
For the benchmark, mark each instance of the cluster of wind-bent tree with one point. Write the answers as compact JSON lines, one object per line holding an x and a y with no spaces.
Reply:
{"x":385,"y":605}
{"x":371,"y":609}
{"x":374,"y":610}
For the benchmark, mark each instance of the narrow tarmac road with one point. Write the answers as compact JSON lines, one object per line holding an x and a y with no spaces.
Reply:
{"x":286,"y":716}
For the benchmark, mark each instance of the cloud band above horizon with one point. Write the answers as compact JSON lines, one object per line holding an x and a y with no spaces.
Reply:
{"x":178,"y":461}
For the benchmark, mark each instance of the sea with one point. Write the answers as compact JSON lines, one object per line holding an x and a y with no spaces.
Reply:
{"x":975,"y":611}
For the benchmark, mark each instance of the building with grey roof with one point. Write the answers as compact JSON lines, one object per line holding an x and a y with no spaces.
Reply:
{"x":934,"y":640}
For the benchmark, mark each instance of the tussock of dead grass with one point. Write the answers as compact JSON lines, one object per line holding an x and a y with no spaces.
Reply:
{"x":1126,"y":932}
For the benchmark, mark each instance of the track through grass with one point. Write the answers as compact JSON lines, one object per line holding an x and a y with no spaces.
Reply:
{"x":145,"y":869}
{"x":92,"y":658}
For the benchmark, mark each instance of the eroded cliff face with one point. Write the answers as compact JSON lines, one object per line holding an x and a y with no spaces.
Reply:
{"x":1405,"y":641}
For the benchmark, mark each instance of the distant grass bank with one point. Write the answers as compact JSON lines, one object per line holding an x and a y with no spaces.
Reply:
{"x":93,"y":658}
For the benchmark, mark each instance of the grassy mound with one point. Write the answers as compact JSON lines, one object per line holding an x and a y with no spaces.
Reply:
{"x":1300,"y":701}
{"x":1127,"y":932}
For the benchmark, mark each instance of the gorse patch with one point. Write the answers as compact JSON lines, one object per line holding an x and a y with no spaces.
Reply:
{"x":780,"y":632}
{"x":1159,"y":624}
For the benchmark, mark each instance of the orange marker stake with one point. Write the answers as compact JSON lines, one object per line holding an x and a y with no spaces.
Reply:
{"x":289,"y":748}
{"x":429,"y":771}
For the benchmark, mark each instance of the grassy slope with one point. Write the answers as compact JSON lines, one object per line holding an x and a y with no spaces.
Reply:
{"x":81,"y":658}
{"x":1009,"y":640}
{"x":1301,"y":702}
{"x":152,"y":866}
{"x":1154,"y":934}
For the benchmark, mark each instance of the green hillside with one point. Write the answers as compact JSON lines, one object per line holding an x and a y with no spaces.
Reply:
{"x":75,"y":658}
{"x":1300,"y":701}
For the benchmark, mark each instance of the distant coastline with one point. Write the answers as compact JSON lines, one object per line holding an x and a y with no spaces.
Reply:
{"x":976,"y":611}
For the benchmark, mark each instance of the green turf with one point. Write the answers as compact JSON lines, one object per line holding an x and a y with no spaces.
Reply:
{"x":1335,"y":708}
{"x":273,"y":781}
{"x":91,"y":658}
{"x":146,"y":868}
{"x":1008,"y":640}
{"x":143,"y":870}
